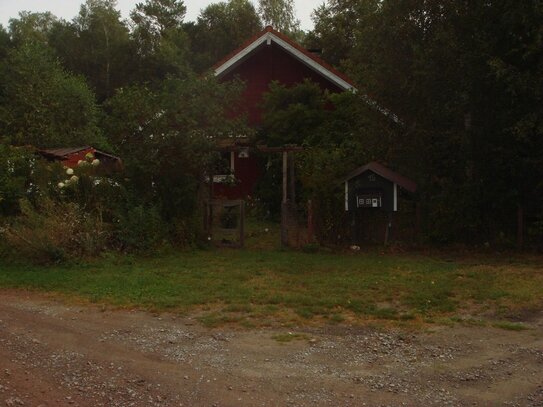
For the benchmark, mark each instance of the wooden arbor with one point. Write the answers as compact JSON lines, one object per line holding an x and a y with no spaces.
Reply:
{"x":288,"y":187}
{"x":216,"y":206}
{"x":225,"y":222}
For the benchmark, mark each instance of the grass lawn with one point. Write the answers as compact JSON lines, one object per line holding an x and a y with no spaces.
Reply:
{"x":268,"y":287}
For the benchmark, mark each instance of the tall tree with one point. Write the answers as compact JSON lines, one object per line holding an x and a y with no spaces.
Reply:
{"x":31,"y":27}
{"x":5,"y":42}
{"x":41,"y":104}
{"x":465,"y":81}
{"x":159,"y":16}
{"x":161,"y":41}
{"x":97,"y":45}
{"x":165,"y":137}
{"x":280,"y":14}
{"x":221,"y":28}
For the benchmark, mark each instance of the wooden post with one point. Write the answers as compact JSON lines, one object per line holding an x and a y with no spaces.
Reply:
{"x":292,"y":181}
{"x":388,"y":228}
{"x":242,"y":224}
{"x":210,"y":206}
{"x":285,"y":172}
{"x":354,"y":228}
{"x":284,"y":208}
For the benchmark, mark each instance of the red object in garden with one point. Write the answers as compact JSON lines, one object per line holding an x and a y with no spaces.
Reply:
{"x":267,"y":57}
{"x":71,"y":156}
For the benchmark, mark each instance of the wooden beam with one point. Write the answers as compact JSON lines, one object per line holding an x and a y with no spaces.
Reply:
{"x":292,"y":181}
{"x":242,"y":224}
{"x":285,"y":177}
{"x":284,"y":204}
{"x":266,"y":149}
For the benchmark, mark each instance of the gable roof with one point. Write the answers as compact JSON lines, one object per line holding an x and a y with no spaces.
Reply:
{"x":66,"y":152}
{"x":269,"y":35}
{"x":60,"y":153}
{"x":386,"y":173}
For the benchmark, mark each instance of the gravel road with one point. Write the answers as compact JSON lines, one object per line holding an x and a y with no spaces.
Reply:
{"x":53,"y":354}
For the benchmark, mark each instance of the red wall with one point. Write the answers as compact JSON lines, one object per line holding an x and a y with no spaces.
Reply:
{"x":271,"y":63}
{"x":247,"y":171}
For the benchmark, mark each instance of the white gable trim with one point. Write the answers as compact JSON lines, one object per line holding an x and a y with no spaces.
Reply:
{"x":242,"y":54}
{"x":267,"y":38}
{"x":314,"y":65}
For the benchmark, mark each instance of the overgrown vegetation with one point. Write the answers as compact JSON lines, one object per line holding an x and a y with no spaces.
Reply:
{"x":449,"y":93}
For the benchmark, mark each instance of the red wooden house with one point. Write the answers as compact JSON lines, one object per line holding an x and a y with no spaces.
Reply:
{"x":267,"y":57}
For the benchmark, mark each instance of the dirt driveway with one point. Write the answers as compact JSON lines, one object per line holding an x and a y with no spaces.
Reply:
{"x":62,"y":355}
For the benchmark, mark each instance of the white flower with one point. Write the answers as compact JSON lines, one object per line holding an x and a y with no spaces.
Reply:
{"x":266,"y":230}
{"x":61,"y":185}
{"x":96,"y":162}
{"x":74,"y":178}
{"x":69,"y":171}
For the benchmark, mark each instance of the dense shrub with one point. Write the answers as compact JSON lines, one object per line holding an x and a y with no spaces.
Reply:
{"x":141,"y":229}
{"x":53,"y":232}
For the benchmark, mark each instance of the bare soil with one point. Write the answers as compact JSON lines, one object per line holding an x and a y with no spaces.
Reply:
{"x":54,"y":354}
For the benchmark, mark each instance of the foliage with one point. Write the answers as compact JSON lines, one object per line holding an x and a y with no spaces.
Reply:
{"x":166,"y":137}
{"x":141,"y":229}
{"x":281,"y":15}
{"x":449,"y":93}
{"x":53,"y":232}
{"x":5,"y":42}
{"x":31,"y":27}
{"x":467,"y":92}
{"x":291,"y":115}
{"x":160,"y":38}
{"x":339,"y":132}
{"x":42,"y":105}
{"x":15,"y":175}
{"x":92,"y":187}
{"x":220,"y":29}
{"x":96,"y":44}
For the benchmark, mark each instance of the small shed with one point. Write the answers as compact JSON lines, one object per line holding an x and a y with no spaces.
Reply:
{"x":374,"y":187}
{"x":70,"y":156}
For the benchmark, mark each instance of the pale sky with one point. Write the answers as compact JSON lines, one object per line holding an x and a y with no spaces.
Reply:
{"x":67,"y":9}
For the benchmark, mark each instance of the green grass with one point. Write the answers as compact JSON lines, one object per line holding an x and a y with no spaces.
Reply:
{"x":510,"y":326}
{"x":264,"y":287}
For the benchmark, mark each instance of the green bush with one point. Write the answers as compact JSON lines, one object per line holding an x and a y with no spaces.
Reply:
{"x":53,"y":232}
{"x":141,"y":229}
